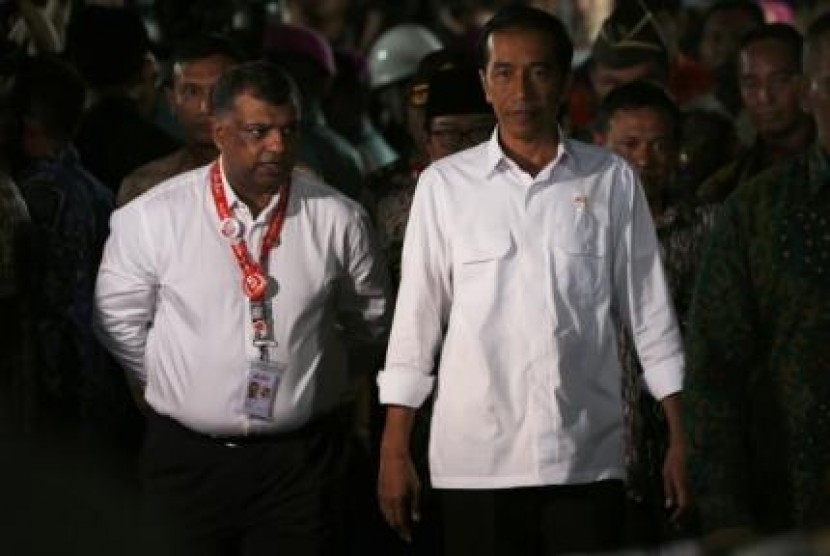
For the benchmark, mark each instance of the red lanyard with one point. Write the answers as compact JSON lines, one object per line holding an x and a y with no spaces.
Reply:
{"x":254,"y":281}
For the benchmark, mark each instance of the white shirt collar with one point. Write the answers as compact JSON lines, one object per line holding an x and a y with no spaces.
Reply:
{"x":497,"y":159}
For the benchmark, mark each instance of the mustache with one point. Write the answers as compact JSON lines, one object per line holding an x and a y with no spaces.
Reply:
{"x":270,"y":158}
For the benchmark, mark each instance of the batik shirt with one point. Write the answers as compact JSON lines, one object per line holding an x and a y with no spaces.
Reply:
{"x":13,"y":216}
{"x":682,"y":231}
{"x":758,"y":383}
{"x":393,"y":188}
{"x":70,"y":212}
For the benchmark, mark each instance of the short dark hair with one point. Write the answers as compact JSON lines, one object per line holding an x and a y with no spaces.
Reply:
{"x":815,"y":34}
{"x":781,"y":32}
{"x":198,"y":47}
{"x":50,"y":92}
{"x":107,"y":45}
{"x":518,"y":16}
{"x":261,"y":79}
{"x":637,"y":95}
{"x":749,"y":7}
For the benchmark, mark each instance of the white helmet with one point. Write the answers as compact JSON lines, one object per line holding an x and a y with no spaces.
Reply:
{"x":396,"y":53}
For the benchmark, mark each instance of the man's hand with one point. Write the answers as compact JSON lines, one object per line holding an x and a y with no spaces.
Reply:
{"x":674,"y":480}
{"x":674,"y":466}
{"x":399,"y":493}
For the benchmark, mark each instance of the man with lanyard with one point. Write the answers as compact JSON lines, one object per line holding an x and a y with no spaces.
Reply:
{"x":228,"y":293}
{"x":515,"y":254}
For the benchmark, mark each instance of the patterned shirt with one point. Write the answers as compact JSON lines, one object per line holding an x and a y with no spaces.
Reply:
{"x":13,"y":216}
{"x":70,"y":212}
{"x":758,"y":391}
{"x":393,"y":188}
{"x":682,"y":232}
{"x":153,"y":173}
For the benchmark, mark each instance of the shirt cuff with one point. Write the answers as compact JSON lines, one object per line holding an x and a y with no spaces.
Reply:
{"x":403,"y":386}
{"x":665,"y":379}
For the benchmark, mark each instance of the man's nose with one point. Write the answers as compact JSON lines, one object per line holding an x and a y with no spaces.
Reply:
{"x":274,"y":141}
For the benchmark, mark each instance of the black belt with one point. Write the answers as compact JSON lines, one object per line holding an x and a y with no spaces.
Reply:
{"x":327,"y":421}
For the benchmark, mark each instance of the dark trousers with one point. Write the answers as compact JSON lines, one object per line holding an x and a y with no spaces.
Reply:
{"x":533,"y":521}
{"x":274,"y":495}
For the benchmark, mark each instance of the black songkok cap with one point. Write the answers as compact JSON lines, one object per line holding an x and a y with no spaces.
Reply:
{"x":456,"y":91}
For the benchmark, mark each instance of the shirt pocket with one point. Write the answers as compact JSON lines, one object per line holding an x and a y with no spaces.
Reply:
{"x":480,"y":260}
{"x":580,"y":257}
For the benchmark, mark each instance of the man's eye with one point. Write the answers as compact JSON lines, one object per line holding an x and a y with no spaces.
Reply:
{"x":288,"y":130}
{"x":190,"y":91}
{"x":541,"y":72}
{"x":255,"y":132}
{"x":501,"y":72}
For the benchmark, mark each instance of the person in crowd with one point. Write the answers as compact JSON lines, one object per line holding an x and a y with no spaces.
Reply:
{"x":723,"y":25}
{"x":631,"y":46}
{"x":197,"y":65}
{"x":394,"y":184}
{"x":110,"y":48}
{"x":641,"y":123}
{"x":697,"y":159}
{"x":393,"y":61}
{"x":346,"y":108}
{"x":758,"y":386}
{"x":515,"y":253}
{"x":69,"y":210}
{"x":769,"y":73}
{"x":243,"y":272}
{"x":16,"y":333}
{"x":456,"y":117}
{"x":309,"y":60}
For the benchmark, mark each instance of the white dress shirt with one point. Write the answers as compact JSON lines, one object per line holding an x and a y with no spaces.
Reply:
{"x":515,"y":279}
{"x":170,"y":306}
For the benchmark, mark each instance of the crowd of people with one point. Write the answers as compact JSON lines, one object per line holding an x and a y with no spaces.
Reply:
{"x":417,"y":278}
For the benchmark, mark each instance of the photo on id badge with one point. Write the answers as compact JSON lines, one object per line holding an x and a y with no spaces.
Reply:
{"x":263,"y":382}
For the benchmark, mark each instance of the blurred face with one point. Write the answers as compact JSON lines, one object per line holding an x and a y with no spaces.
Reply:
{"x":449,"y":134}
{"x":605,"y":79}
{"x":770,"y":87}
{"x":524,"y":85}
{"x":193,"y":83}
{"x":721,"y":36}
{"x":258,"y":143}
{"x":818,"y":90}
{"x":645,"y":138}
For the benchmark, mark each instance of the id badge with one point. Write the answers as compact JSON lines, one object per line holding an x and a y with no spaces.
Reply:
{"x":261,"y":389}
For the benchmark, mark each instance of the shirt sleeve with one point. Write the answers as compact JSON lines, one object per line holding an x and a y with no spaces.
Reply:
{"x":126,"y":291}
{"x":642,"y":291}
{"x":423,"y":303}
{"x":364,"y":305}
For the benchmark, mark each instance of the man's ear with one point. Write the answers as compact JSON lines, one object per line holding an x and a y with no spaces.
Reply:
{"x":170,"y":95}
{"x":219,"y":131}
{"x":806,"y":94}
{"x":600,"y":138}
{"x":483,"y":76}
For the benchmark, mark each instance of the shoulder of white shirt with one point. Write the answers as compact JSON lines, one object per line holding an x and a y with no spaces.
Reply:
{"x":584,"y":158}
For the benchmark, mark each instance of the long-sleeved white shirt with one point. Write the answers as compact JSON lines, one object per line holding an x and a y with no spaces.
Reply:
{"x":515,"y":279}
{"x":170,"y":306}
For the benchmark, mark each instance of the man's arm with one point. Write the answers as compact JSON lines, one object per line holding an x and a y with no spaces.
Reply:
{"x":398,"y":484}
{"x":675,"y":485}
{"x":364,"y":304}
{"x":423,"y":305}
{"x":645,"y":304}
{"x":125,"y":294}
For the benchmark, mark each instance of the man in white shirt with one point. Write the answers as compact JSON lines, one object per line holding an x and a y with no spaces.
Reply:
{"x":228,"y":294}
{"x":517,"y":255}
